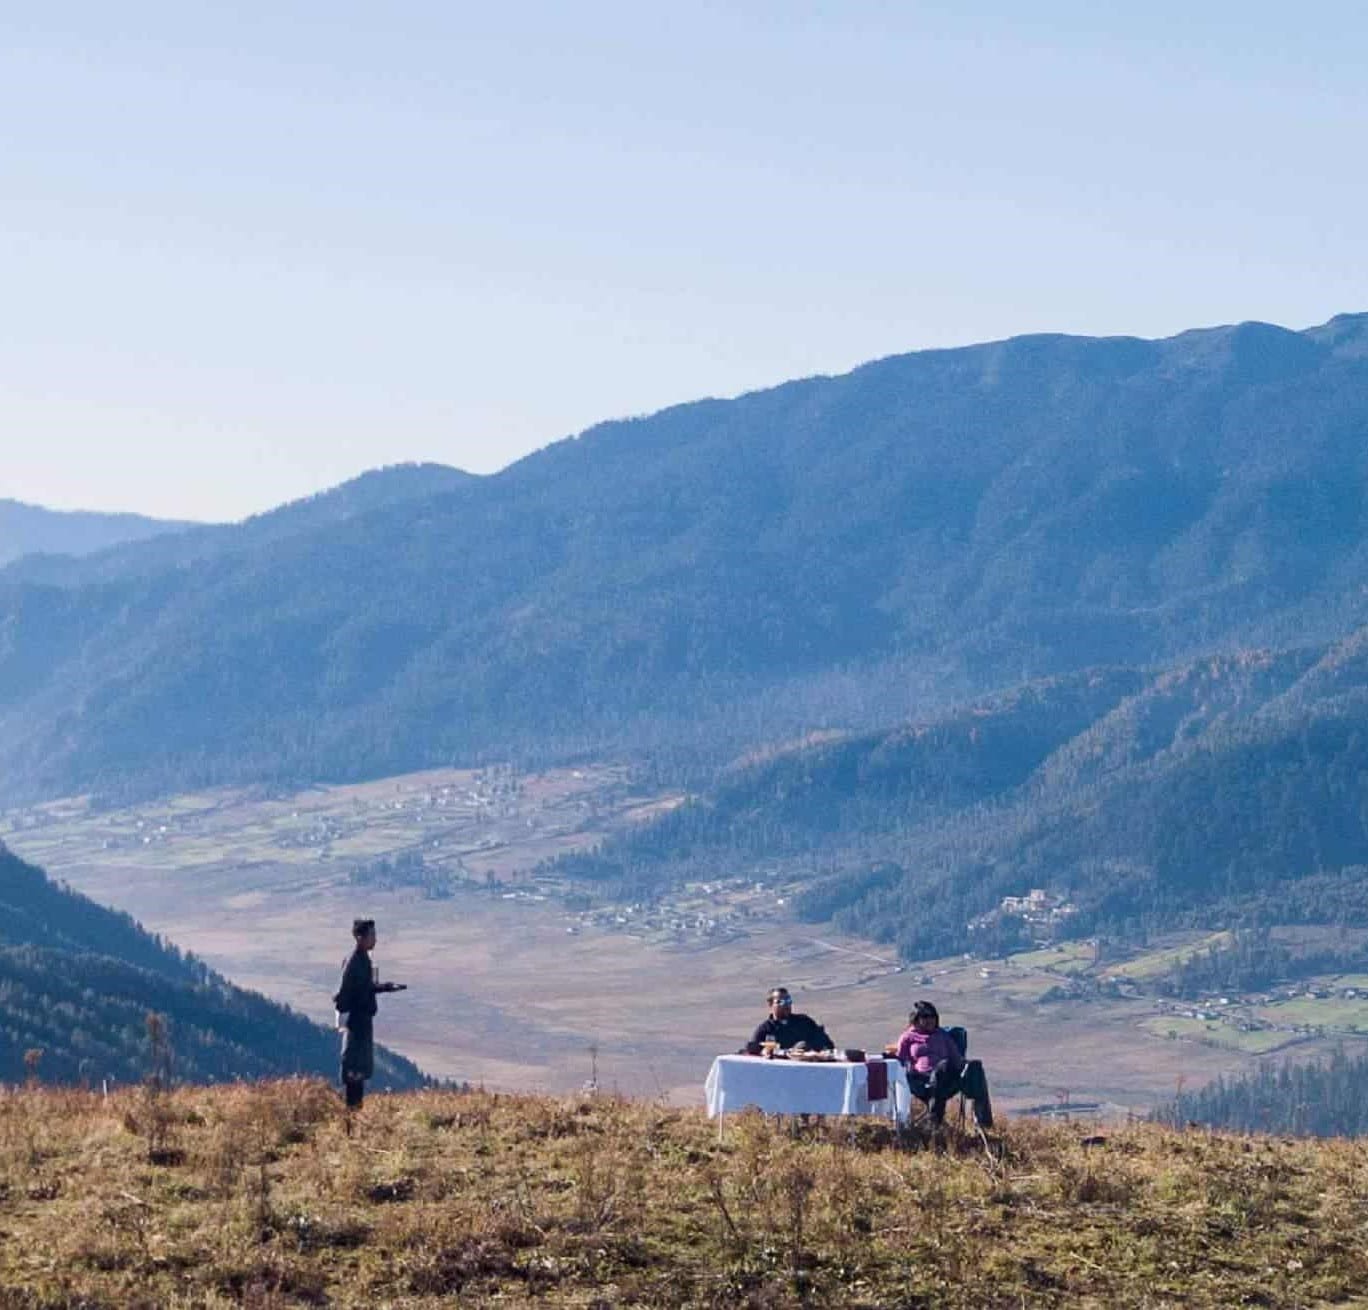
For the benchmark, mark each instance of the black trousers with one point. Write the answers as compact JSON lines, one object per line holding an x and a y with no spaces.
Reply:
{"x":936,"y":1087}
{"x":358,"y":1058}
{"x":943,"y":1082}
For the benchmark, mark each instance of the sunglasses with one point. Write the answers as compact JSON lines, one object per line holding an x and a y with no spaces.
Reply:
{"x":781,"y":1000}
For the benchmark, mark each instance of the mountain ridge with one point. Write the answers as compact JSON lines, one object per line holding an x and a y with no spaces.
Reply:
{"x":960,"y":519}
{"x":387,"y":485}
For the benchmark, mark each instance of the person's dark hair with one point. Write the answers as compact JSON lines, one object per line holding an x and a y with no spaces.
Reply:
{"x":360,"y":927}
{"x":925,"y":1010}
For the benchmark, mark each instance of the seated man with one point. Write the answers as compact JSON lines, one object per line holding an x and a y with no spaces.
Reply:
{"x":932,"y":1059}
{"x":787,"y":1029}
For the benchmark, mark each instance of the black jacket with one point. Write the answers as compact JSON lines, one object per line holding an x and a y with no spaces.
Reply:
{"x":792,"y":1030}
{"x":356,"y":996}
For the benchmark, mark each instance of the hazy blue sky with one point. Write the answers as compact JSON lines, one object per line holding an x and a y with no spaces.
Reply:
{"x":248,"y":251}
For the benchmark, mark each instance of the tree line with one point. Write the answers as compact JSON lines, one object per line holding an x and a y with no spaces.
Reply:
{"x":1327,"y":1098}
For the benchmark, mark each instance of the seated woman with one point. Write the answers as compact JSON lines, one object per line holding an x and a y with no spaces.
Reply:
{"x":933,"y":1062}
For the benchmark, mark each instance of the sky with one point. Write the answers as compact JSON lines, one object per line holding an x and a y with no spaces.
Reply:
{"x":250,"y":251}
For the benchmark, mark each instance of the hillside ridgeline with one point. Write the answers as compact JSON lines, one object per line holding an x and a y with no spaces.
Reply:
{"x":31,"y":529}
{"x":200,"y":542}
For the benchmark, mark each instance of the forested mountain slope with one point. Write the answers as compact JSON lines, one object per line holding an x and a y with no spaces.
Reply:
{"x":1232,"y":789}
{"x":77,"y":982}
{"x":25,"y":529}
{"x":379,"y":488}
{"x":829,"y":553}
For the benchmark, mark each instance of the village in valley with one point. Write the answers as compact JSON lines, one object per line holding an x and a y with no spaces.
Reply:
{"x":440,"y":835}
{"x":1257,"y":1021}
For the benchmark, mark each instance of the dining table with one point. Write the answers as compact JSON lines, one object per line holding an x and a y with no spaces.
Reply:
{"x":876,"y":1086}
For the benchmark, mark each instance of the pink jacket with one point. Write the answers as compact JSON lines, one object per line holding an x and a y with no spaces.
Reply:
{"x":922,"y":1052}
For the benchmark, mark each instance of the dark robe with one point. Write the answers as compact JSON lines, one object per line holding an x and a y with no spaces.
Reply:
{"x":795,"y":1028}
{"x":355,"y":1000}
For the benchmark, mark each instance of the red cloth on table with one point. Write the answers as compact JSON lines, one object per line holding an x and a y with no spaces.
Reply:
{"x":878,"y":1080}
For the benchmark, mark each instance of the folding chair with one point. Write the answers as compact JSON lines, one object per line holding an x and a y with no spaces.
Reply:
{"x":972,"y":1090}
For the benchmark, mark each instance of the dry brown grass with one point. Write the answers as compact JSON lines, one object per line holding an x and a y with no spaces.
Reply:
{"x":267,"y":1197}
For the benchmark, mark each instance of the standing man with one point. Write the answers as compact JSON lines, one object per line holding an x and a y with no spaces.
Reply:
{"x":356,"y":1007}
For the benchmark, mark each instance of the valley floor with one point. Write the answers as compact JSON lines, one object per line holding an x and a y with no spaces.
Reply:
{"x":513,"y":989}
{"x":265,"y":1196}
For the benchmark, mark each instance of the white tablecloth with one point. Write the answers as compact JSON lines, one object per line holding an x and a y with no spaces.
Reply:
{"x":797,"y":1087}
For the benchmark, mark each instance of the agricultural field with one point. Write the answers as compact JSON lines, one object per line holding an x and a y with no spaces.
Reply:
{"x":1066,"y":958}
{"x":1257,"y":1041}
{"x":460,"y":823}
{"x":1334,"y":1012}
{"x":1345,"y":980}
{"x":1152,"y":964}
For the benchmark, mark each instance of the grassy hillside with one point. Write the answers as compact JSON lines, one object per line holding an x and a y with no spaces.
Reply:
{"x":263,"y":1197}
{"x":827,"y":553}
{"x":77,"y":982}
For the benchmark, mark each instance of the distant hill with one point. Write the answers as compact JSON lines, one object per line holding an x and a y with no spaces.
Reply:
{"x":30,"y":529}
{"x":1230,"y":790}
{"x":134,"y":557}
{"x":77,"y":982}
{"x":836,"y":553}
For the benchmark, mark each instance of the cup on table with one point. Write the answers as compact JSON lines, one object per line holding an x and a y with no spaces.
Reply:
{"x":768,"y":1047}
